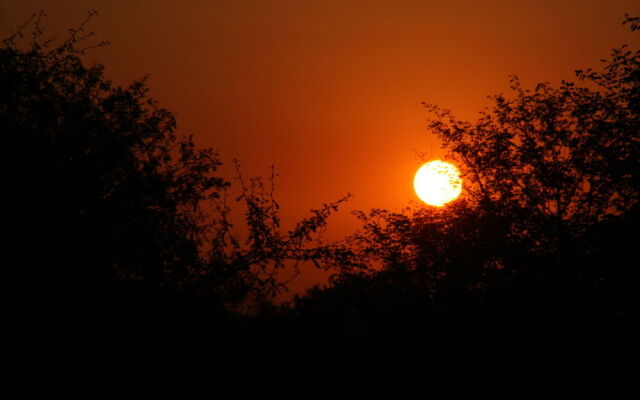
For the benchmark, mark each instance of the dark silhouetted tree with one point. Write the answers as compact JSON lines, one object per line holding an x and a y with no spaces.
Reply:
{"x":547,"y":223}
{"x":108,"y":207}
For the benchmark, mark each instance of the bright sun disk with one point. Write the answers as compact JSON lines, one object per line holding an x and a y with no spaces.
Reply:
{"x":437,"y":183}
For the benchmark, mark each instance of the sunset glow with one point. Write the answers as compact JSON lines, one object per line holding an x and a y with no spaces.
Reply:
{"x":437,"y":183}
{"x":240,"y":168}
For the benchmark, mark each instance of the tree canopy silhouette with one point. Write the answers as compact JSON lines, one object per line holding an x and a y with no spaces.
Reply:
{"x":546,"y":224}
{"x":108,"y":205}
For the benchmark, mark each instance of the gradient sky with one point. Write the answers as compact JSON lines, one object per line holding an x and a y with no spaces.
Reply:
{"x":330,"y":91}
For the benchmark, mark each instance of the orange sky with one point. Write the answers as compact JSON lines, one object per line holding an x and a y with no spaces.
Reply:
{"x":330,"y":91}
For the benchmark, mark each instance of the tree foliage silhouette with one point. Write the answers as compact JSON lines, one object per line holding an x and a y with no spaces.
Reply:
{"x":109,"y":204}
{"x":547,"y":222}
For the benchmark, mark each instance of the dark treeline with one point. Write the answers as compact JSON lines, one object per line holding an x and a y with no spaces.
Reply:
{"x":548,"y":225}
{"x":115,"y":220}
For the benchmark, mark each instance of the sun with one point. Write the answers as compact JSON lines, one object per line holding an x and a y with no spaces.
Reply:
{"x":437,"y":183}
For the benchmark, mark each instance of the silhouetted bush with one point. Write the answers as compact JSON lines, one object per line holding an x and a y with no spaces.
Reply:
{"x":113,"y":216}
{"x":546,"y":226}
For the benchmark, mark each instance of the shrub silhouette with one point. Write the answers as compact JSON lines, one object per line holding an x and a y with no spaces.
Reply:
{"x":546,"y":225}
{"x":114,"y":216}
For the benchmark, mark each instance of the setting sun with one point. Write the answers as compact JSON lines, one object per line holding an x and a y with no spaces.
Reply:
{"x":437,"y":183}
